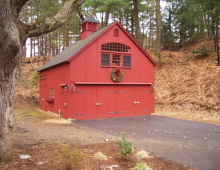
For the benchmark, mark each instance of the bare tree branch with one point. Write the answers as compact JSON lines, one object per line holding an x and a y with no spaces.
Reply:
{"x":81,"y":14}
{"x":20,"y":4}
{"x":51,"y":24}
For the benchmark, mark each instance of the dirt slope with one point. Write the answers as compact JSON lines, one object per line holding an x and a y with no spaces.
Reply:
{"x":182,"y":84}
{"x":188,"y":86}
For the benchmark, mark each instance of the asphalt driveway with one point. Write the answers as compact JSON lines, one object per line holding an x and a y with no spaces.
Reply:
{"x":194,"y":144}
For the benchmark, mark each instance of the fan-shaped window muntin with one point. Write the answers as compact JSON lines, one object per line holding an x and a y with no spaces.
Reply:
{"x":115,"y":47}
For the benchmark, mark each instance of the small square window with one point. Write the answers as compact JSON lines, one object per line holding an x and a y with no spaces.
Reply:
{"x":126,"y":61}
{"x":116,"y":60}
{"x":105,"y":60}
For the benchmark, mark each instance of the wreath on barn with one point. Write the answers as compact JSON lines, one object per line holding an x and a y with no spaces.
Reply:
{"x":116,"y":72}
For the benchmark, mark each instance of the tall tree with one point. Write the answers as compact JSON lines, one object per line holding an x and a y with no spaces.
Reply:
{"x":137,"y":27}
{"x":13,"y":36}
{"x":158,"y":23}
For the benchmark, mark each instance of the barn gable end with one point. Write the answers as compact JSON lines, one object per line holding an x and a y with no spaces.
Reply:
{"x":89,"y":59}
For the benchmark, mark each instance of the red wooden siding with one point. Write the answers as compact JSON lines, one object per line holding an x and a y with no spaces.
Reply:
{"x":87,"y":65}
{"x":55,"y":77}
{"x":96,"y":96}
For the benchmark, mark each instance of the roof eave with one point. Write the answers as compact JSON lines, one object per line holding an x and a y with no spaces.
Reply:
{"x":137,"y":43}
{"x":39,"y":70}
{"x":87,"y":45}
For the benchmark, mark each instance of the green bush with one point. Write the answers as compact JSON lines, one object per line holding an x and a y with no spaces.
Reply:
{"x":71,"y":158}
{"x":127,"y":147}
{"x":36,"y":78}
{"x":203,"y":50}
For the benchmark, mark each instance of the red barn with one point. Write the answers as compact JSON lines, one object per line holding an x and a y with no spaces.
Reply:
{"x":106,"y":74}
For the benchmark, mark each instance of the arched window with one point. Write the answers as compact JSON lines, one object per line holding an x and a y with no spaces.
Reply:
{"x":116,"y":47}
{"x":116,"y":32}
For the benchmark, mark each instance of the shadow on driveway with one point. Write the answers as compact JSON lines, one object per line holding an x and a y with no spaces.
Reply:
{"x":193,"y":144}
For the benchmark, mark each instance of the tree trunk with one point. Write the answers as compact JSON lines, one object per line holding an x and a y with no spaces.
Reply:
{"x":49,"y":54}
{"x":45,"y":45}
{"x":213,"y":32}
{"x":34,"y":47}
{"x":137,"y":28}
{"x":107,"y":12}
{"x":9,"y":77}
{"x":81,"y":15}
{"x":102,"y":20}
{"x":13,"y":36}
{"x":158,"y":23}
{"x":10,"y":65}
{"x":132,"y":22}
{"x":31,"y":39}
{"x":150,"y":34}
{"x":42,"y":45}
{"x":127,"y":20}
{"x":216,"y":41}
{"x":56,"y":44}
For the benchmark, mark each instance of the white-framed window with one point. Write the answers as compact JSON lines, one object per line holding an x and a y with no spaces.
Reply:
{"x":105,"y":59}
{"x":115,"y":55}
{"x":115,"y":60}
{"x":126,"y":61}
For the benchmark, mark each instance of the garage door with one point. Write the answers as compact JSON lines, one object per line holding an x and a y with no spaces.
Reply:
{"x":109,"y":101}
{"x":115,"y":101}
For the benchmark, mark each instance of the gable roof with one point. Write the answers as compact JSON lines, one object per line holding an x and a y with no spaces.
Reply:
{"x":72,"y":49}
{"x":70,"y":52}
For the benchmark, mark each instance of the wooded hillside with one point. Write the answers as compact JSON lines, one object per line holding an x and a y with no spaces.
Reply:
{"x":187,"y":76}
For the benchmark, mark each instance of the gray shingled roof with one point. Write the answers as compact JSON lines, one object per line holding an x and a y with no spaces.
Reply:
{"x":72,"y":49}
{"x":90,"y":19}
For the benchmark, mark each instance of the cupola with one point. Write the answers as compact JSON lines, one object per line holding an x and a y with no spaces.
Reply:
{"x":89,"y":26}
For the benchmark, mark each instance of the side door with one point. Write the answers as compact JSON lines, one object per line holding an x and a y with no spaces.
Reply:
{"x":106,"y":101}
{"x":85,"y":102}
{"x":43,"y":95}
{"x":125,"y":100}
{"x":142,"y":100}
{"x":63,"y":102}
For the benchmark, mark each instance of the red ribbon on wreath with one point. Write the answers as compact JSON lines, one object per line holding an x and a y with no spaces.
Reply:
{"x":117,"y":72}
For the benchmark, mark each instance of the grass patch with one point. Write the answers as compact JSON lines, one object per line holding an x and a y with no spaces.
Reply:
{"x":142,"y":154}
{"x":34,"y":113}
{"x":100,"y":156}
{"x":19,"y":111}
{"x":142,"y":166}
